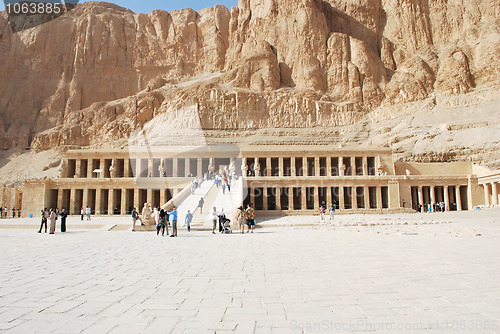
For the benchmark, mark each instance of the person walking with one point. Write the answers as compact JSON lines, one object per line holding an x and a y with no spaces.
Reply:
{"x":200,"y":204}
{"x":135,"y":218}
{"x":173,"y":214}
{"x":215,"y":217}
{"x":240,"y":218}
{"x":18,"y":213}
{"x":43,"y":215}
{"x":88,"y":211}
{"x":63,"y":215}
{"x":250,"y":216}
{"x":162,"y":223}
{"x":332,"y":211}
{"x":13,"y":212}
{"x":188,"y":220}
{"x":322,"y":212}
{"x":223,"y":188}
{"x":82,"y":213}
{"x":222,"y":217}
{"x":52,"y":219}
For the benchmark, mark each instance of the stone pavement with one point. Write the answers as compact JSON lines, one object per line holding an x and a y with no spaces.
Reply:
{"x":277,"y":280}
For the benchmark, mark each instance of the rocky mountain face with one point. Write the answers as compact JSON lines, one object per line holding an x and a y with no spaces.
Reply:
{"x":338,"y":68}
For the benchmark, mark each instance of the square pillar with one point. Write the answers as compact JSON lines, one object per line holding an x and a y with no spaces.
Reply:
{"x":354,"y":197}
{"x":280,"y":168}
{"x":138,"y":167}
{"x":316,"y":167}
{"x":102,"y":167}
{"x":85,"y":197}
{"x":292,"y":164}
{"x":199,"y":167}
{"x":486,"y":194}
{"x":78,"y":168}
{"x":72,"y":202}
{"x":264,"y":198}
{"x":304,"y":166}
{"x":137,"y":205}
{"x":175,"y":172}
{"x":341,"y":198}
{"x":90,"y":163}
{"x":494,"y":191}
{"x":60,"y":199}
{"x":268,"y":167}
{"x":446,"y":198}
{"x":378,"y":194}
{"x":163,"y":197}
{"x":365,"y":166}
{"x":433,"y":197}
{"x":123,"y":202}
{"x":303,"y":198}
{"x":366,"y":193}
{"x":341,"y":169}
{"x":458,"y":197}
{"x":98,"y":200}
{"x":420,"y":196}
{"x":149,"y":199}
{"x":328,"y":166}
{"x":353,"y":166}
{"x":126,"y":167}
{"x":290,"y":198}
{"x":150,"y":167}
{"x":111,"y":196}
{"x":316,"y":198}
{"x":257,"y":170}
{"x":187,"y":167}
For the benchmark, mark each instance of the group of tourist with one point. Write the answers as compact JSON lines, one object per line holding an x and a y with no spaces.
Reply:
{"x":246,"y":217}
{"x":433,"y":207}
{"x":331,"y":210}
{"x":195,"y":184}
{"x":87,"y":211}
{"x":50,"y":216}
{"x":5,"y":213}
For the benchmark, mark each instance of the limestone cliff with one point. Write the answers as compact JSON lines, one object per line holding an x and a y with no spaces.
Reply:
{"x":96,"y":74}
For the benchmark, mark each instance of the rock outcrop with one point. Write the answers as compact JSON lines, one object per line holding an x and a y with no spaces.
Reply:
{"x":100,"y":72}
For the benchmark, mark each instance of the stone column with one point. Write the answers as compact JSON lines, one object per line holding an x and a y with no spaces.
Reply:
{"x":433,"y":197}
{"x":90,"y":163}
{"x":494,"y":191}
{"x":72,"y":202}
{"x":354,"y":198}
{"x":378,"y":194}
{"x":305,"y":172}
{"x":98,"y":199}
{"x":60,"y":199}
{"x":366,"y":191}
{"x":420,"y":196}
{"x":78,"y":168}
{"x":264,"y":198}
{"x":85,"y":197}
{"x":280,"y":167}
{"x":102,"y":167}
{"x":341,"y":163}
{"x":292,"y":166}
{"x":317,"y":169}
{"x":303,"y":199}
{"x":251,"y":191}
{"x":353,"y":166}
{"x":258,"y":171}
{"x":123,"y":202}
{"x":138,"y":167}
{"x":199,"y":167}
{"x":268,"y":167}
{"x":149,"y":199}
{"x":126,"y":167}
{"x":163,"y":197}
{"x":328,"y":166}
{"x":365,"y":166}
{"x":150,"y":167}
{"x":446,"y":198}
{"x":175,"y":171}
{"x":341,"y":198}
{"x":111,"y":197}
{"x":486,"y":194}
{"x":137,"y":205}
{"x":458,"y":197}
{"x":316,"y":198}
{"x":187,"y":166}
{"x":290,"y":199}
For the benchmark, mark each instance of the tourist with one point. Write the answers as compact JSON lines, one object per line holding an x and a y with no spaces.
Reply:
{"x":64,"y":215}
{"x":52,"y":219}
{"x":200,"y":204}
{"x":82,"y":213}
{"x":173,"y":213}
{"x":224,"y":188}
{"x":5,"y":211}
{"x":88,"y":211}
{"x":18,"y":213}
{"x":162,"y":223}
{"x":322,"y":212}
{"x":13,"y":212}
{"x":250,"y":217}
{"x":43,"y":215}
{"x":135,"y":218}
{"x":442,"y":206}
{"x":215,"y":217}
{"x":404,"y":203}
{"x":229,"y":186}
{"x":222,"y":218}
{"x":240,"y":218}
{"x":332,"y":211}
{"x":188,"y":220}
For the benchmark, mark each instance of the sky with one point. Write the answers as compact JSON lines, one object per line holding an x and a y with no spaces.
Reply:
{"x":147,"y":6}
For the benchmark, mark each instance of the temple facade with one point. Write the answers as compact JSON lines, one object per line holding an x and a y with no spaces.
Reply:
{"x":276,"y":179}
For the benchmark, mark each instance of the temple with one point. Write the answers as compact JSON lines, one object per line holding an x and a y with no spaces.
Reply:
{"x":277,"y":179}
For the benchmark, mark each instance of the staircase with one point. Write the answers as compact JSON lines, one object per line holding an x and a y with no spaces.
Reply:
{"x":200,"y":219}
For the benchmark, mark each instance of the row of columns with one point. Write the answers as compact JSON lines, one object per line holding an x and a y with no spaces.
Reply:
{"x":327,"y":195}
{"x":458,"y":196}
{"x":317,"y":167}
{"x":494,"y":193}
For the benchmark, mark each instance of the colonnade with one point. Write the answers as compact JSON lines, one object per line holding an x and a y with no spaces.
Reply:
{"x":490,"y":193}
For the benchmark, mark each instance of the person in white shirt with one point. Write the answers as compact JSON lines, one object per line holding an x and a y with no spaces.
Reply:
{"x":215,"y":217}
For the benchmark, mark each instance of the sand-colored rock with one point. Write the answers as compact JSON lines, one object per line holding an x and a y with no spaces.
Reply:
{"x":100,"y":72}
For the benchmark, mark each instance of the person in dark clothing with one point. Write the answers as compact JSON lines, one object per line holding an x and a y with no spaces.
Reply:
{"x":63,"y":215}
{"x":200,"y":204}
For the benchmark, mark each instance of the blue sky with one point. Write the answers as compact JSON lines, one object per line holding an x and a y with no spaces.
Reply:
{"x":147,"y":6}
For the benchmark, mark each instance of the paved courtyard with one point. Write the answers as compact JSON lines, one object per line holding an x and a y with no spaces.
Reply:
{"x":363,"y":274}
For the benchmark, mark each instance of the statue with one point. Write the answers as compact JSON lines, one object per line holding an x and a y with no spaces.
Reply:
{"x":256,"y":168}
{"x":146,"y":215}
{"x":112,"y":168}
{"x":232,"y":167}
{"x":161,"y":169}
